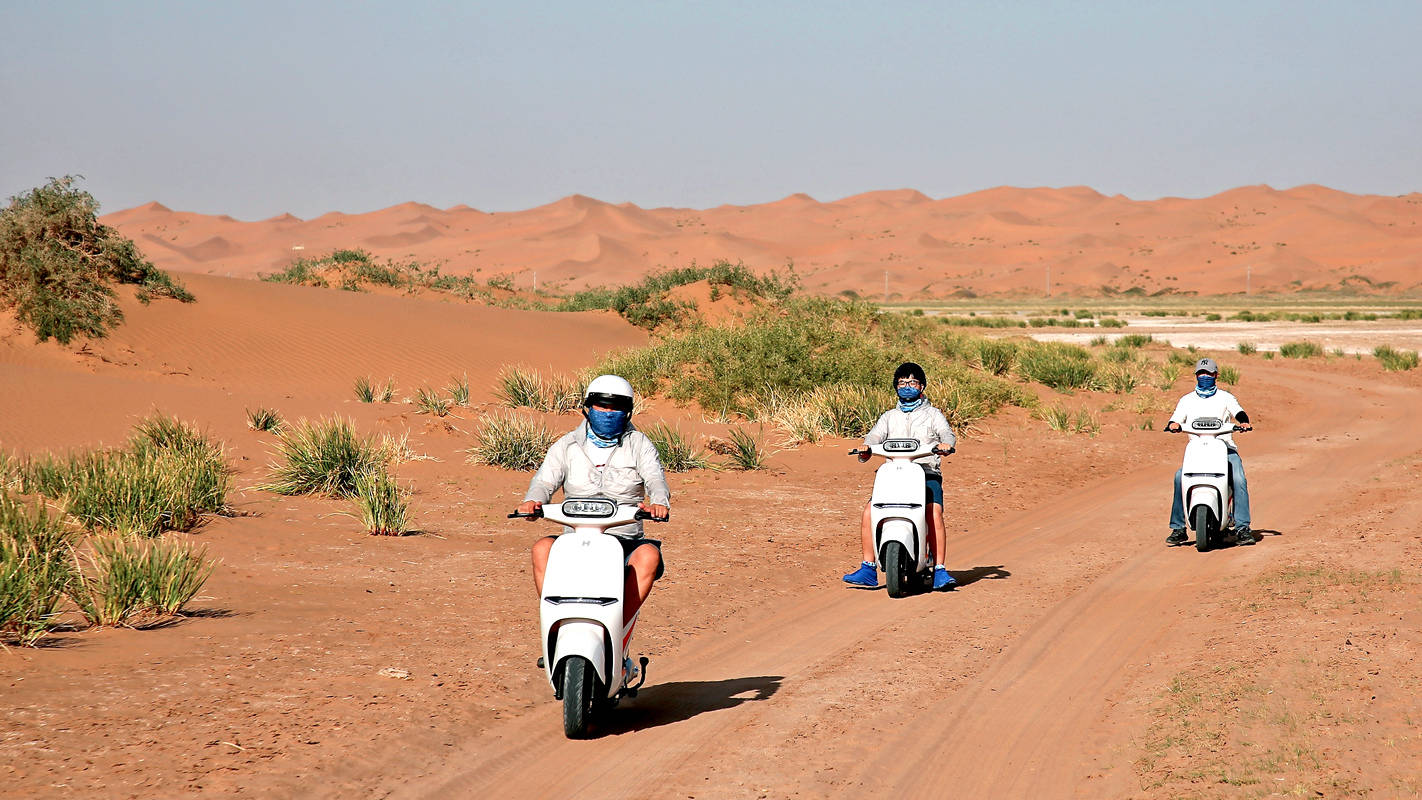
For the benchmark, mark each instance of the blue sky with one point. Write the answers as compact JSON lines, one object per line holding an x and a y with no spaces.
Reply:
{"x":253,"y":108}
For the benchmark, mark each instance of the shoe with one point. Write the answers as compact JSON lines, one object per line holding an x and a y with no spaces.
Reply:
{"x":629,"y":670}
{"x":1243,"y":536}
{"x":866,"y":575}
{"x":942,"y":580}
{"x":1176,"y":537}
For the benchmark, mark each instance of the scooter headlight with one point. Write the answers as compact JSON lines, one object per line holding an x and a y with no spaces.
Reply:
{"x":1206,"y":423}
{"x":900,"y":445}
{"x":589,"y":508}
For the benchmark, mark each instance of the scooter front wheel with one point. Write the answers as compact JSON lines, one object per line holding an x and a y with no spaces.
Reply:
{"x":580,"y":690}
{"x":897,"y":579}
{"x":1202,"y":528}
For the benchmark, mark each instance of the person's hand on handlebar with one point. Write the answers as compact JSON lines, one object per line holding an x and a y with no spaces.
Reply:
{"x":1172,"y":427}
{"x":863,"y":455}
{"x":938,"y":451}
{"x":530,"y":507}
{"x":657,"y":511}
{"x":1243,"y":427}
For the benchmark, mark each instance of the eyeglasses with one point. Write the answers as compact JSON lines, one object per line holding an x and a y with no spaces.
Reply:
{"x":907,"y":383}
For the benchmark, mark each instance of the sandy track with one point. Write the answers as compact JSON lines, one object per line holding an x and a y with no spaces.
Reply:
{"x":827,"y":698}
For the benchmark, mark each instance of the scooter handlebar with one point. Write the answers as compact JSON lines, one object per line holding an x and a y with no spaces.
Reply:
{"x":520,"y":515}
{"x":647,"y":515}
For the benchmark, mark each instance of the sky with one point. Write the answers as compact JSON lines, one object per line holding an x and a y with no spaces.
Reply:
{"x":254,"y":108}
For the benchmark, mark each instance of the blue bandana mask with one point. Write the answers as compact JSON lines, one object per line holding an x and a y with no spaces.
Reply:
{"x":1205,"y":385}
{"x":606,"y":427}
{"x":908,"y":394}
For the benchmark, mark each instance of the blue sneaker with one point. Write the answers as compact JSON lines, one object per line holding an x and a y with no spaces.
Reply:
{"x":942,"y":580}
{"x":866,"y":575}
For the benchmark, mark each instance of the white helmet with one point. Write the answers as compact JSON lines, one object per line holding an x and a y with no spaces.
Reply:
{"x":609,"y":390}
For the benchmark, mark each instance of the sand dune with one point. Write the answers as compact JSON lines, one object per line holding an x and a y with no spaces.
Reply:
{"x":992,"y":241}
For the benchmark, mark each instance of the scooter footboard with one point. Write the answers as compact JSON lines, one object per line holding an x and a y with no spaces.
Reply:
{"x":579,"y":637}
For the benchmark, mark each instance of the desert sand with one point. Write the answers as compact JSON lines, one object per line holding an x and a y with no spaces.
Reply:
{"x":1055,"y":671}
{"x":998,"y":241}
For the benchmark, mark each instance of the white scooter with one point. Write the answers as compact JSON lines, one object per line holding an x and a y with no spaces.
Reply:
{"x":898,"y":514}
{"x":1205,"y":480}
{"x":585,"y":640}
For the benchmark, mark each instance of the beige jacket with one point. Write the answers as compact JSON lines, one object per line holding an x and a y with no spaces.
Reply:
{"x":925,"y":423}
{"x":633,"y":472}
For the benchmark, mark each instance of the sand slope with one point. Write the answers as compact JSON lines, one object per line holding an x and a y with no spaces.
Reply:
{"x":993,"y":241}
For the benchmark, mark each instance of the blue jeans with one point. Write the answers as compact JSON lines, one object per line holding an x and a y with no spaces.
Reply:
{"x":1241,"y":496}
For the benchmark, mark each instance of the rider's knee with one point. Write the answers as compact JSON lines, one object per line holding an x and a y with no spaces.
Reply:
{"x":541,"y":548}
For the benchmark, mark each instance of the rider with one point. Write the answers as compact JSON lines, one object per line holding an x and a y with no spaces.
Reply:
{"x":1208,"y":400}
{"x":914,"y":418}
{"x":605,"y":456}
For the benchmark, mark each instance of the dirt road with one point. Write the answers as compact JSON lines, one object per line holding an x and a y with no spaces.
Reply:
{"x":1001,"y":689}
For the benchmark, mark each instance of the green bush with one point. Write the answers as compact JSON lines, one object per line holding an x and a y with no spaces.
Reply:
{"x":846,"y":410}
{"x":521,"y":387}
{"x":428,"y":401}
{"x":677,"y":451}
{"x":996,"y":356}
{"x":136,"y":582}
{"x":1395,"y":360}
{"x":1300,"y":350}
{"x":459,"y":391}
{"x":1063,"y":367}
{"x":1134,"y":340}
{"x":510,"y":442}
{"x":1247,"y":348}
{"x":323,"y":458}
{"x":264,"y":419}
{"x":1229,"y":375}
{"x":1170,"y":372}
{"x":36,"y":570}
{"x":646,"y":305}
{"x":1057,"y":417}
{"x":384,"y":508}
{"x":1111,"y":322}
{"x":58,"y":264}
{"x":168,"y":478}
{"x":746,"y":450}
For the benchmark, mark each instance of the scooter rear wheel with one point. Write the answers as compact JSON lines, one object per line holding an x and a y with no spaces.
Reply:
{"x":580,"y":689}
{"x":1202,"y":528}
{"x":897,"y":577}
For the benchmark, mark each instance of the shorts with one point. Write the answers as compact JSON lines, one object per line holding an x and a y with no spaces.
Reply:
{"x":933,"y":486}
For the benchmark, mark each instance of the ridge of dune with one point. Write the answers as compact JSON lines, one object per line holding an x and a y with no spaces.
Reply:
{"x":986,"y":241}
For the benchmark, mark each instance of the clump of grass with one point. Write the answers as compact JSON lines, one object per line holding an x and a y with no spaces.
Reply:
{"x":459,"y":391}
{"x":136,"y":582}
{"x":677,"y":451}
{"x":428,"y":401}
{"x":1134,"y":340}
{"x":1267,"y":356}
{"x":1395,"y":360}
{"x":1229,"y":375}
{"x":846,"y":410}
{"x":996,"y":356}
{"x":167,"y":479}
{"x":1185,"y":358}
{"x":1300,"y":350}
{"x":384,"y":507}
{"x":1085,"y":422}
{"x":36,"y":570}
{"x":510,"y":442}
{"x":746,"y":450}
{"x":365,"y":390}
{"x":1111,"y":322}
{"x":1100,"y":341}
{"x":1247,"y":348}
{"x":264,"y":419}
{"x":1121,"y":379}
{"x":323,"y":458}
{"x":521,"y":387}
{"x":1169,"y":374}
{"x":1061,"y":366}
{"x":1057,"y":417}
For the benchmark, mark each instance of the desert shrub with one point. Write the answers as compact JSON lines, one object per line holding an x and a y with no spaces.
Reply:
{"x":365,"y":390}
{"x":168,"y":478}
{"x":996,"y":356}
{"x":1184,"y":358}
{"x":1118,"y":355}
{"x":746,"y":450}
{"x":1134,"y":340}
{"x":134,"y":582}
{"x":1229,"y":375}
{"x":1212,"y":317}
{"x":1061,"y":366}
{"x":264,"y":419}
{"x":520,"y":387}
{"x":510,"y":442}
{"x":1121,"y":379}
{"x":1300,"y":350}
{"x":458,"y":389}
{"x":1247,"y":348}
{"x":36,"y":570}
{"x":58,"y":264}
{"x":983,"y":322}
{"x":322,"y":458}
{"x":1100,"y":341}
{"x":428,"y":401}
{"x":1085,"y":422}
{"x":646,"y":305}
{"x":1057,"y":417}
{"x":1395,"y":360}
{"x":1267,"y":356}
{"x":1170,"y":372}
{"x":564,"y":393}
{"x":1111,"y":322}
{"x":678,"y":452}
{"x":384,"y":508}
{"x":847,"y":410}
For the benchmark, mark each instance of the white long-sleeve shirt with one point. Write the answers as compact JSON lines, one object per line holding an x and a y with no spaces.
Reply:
{"x":925,"y":423}
{"x":1220,"y":405}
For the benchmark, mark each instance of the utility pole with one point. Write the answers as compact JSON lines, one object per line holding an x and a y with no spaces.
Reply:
{"x":1049,"y":280}
{"x":886,"y":286}
{"x":535,"y":281}
{"x":1248,"y":279}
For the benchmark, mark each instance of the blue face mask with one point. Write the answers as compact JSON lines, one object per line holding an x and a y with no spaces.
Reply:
{"x":908,"y":394}
{"x":607,"y":425}
{"x":1204,"y":385}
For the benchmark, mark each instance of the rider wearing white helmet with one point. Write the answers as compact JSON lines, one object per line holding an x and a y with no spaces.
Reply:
{"x":605,"y":456}
{"x":1208,"y":400}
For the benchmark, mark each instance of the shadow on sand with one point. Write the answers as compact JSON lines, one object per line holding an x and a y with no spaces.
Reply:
{"x":971,"y":576}
{"x":664,"y":703}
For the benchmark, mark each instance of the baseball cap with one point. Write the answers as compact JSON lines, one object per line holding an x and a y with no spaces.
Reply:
{"x":1206,"y":365}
